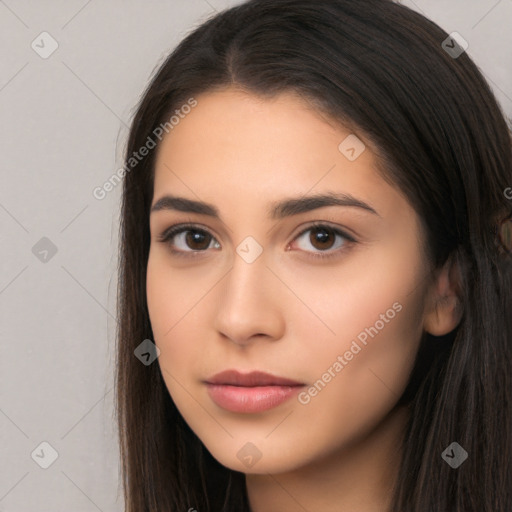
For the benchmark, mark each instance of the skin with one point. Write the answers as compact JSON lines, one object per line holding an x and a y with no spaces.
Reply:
{"x":289,"y":313}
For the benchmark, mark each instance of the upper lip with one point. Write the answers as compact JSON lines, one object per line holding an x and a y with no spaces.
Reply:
{"x":256,"y":378}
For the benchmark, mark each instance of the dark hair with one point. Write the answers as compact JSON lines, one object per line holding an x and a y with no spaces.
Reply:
{"x":380,"y":69}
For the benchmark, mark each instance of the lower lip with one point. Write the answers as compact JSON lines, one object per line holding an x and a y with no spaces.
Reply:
{"x":250,"y":399}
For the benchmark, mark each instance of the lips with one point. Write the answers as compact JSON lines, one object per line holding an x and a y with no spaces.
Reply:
{"x":252,"y":379}
{"x":250,"y":393}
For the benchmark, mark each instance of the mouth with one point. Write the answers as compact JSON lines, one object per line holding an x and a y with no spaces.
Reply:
{"x":250,"y":392}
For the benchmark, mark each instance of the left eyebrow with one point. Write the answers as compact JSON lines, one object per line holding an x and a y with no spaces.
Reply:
{"x":277,"y":210}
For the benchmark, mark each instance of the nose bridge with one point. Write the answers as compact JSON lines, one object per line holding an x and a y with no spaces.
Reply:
{"x":245,"y":282}
{"x":249,"y":266}
{"x":248,"y":304}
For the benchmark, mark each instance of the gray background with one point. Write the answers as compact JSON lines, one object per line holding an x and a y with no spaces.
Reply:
{"x":64,"y":121}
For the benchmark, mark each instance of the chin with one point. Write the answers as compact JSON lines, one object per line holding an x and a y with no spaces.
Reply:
{"x":250,"y":458}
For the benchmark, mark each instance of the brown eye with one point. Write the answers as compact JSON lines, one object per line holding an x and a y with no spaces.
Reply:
{"x":188,"y":239}
{"x":196,"y":239}
{"x":322,"y":239}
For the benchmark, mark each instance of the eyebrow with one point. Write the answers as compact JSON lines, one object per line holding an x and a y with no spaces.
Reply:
{"x":277,"y":210}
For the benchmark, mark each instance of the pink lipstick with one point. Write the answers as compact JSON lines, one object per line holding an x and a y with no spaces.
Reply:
{"x":250,"y":392}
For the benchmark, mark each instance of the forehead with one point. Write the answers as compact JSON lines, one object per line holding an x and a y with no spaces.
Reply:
{"x":235,"y":144}
{"x":249,"y":122}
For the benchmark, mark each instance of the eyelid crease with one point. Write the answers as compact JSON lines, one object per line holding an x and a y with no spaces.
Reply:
{"x":326,"y":218}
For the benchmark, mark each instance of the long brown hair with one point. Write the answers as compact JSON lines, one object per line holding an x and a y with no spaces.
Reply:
{"x":383,"y":70}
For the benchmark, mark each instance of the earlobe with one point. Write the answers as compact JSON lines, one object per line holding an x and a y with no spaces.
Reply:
{"x":443,"y":310}
{"x":444,"y":316}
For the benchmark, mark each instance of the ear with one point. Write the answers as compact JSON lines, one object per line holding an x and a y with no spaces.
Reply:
{"x":443,"y":309}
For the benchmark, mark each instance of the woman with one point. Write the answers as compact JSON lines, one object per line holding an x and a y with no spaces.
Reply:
{"x":364,"y":367}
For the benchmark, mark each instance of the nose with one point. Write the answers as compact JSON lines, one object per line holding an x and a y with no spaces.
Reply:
{"x":250,"y":303}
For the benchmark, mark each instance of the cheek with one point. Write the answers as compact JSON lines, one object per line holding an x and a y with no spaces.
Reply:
{"x":172,"y":293}
{"x":176,"y":299}
{"x":357,"y":375}
{"x":168,"y":302}
{"x":375,"y":297}
{"x":369,"y":385}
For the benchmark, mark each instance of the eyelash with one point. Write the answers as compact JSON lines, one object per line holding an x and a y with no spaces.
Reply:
{"x":171,"y":232}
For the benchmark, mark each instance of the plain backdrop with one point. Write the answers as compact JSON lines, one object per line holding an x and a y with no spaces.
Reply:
{"x":64,"y":121}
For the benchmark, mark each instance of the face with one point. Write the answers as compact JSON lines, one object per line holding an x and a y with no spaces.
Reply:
{"x":330,"y":296}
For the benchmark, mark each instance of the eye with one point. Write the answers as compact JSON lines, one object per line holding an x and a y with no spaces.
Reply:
{"x":195,"y":238}
{"x":322,"y":237}
{"x":192,"y":240}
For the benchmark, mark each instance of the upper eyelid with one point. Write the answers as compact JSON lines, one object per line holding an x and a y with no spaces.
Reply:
{"x":183,"y":227}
